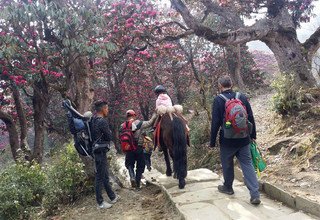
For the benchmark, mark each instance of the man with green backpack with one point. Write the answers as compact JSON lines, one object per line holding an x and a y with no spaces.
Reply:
{"x":232,"y":113}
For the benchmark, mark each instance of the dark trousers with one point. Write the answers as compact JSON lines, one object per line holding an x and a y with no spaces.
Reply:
{"x":136,"y":157}
{"x":243,"y":155}
{"x":147,"y":157}
{"x":102,"y":176}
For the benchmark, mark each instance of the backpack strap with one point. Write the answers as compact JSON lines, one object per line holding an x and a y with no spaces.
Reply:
{"x":139,"y":125}
{"x":223,"y":97}
{"x":127,"y":125}
{"x":238,"y":95}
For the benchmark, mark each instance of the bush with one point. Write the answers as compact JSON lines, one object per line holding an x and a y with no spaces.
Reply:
{"x":21,"y":189}
{"x":66,"y":179}
{"x":287,"y":98}
{"x":199,"y":129}
{"x":25,"y":186}
{"x":203,"y":157}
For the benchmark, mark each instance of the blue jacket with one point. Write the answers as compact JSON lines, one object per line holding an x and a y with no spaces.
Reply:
{"x":218,"y":111}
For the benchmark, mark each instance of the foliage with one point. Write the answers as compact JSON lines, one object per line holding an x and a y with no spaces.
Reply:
{"x":203,"y":157}
{"x":66,"y":180}
{"x":25,"y":186}
{"x":288,"y":97}
{"x":199,"y":131}
{"x":22,"y":187}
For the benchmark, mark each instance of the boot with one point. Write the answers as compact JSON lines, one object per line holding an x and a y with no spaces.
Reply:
{"x":138,"y":181}
{"x":132,"y":177}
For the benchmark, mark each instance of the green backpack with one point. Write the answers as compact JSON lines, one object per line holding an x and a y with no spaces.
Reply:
{"x":258,"y":162}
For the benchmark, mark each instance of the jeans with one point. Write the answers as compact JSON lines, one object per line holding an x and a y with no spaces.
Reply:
{"x":243,"y":155}
{"x":102,"y":176}
{"x":131,"y":158}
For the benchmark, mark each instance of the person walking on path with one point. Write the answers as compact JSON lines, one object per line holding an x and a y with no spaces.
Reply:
{"x":101,"y":134}
{"x":136,"y":157}
{"x":231,"y":147}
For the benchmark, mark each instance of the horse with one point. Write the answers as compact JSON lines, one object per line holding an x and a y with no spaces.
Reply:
{"x":173,"y":141}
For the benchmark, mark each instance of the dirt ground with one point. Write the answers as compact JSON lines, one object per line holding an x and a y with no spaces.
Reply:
{"x":149,"y":203}
{"x":291,"y":149}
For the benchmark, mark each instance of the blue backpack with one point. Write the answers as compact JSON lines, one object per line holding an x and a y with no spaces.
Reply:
{"x":80,"y":127}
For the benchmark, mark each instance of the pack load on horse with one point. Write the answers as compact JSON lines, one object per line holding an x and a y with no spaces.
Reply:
{"x":171,"y":133}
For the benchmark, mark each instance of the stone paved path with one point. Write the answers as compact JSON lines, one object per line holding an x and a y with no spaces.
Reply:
{"x":200,"y":200}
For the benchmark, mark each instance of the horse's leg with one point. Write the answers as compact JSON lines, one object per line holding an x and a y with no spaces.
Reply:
{"x":167,"y":159}
{"x":180,"y":150}
{"x":174,"y":167}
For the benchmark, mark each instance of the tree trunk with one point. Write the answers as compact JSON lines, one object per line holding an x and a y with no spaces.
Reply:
{"x":277,"y":31}
{"x":238,"y":69}
{"x":83,"y":94}
{"x":83,"y":91}
{"x":40,"y":105}
{"x":22,"y":122}
{"x":234,"y":65}
{"x":290,"y":57}
{"x":13,"y":133}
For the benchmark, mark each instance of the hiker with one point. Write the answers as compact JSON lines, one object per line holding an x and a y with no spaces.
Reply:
{"x":101,"y":136}
{"x":147,"y":149}
{"x":162,"y":97}
{"x":236,"y":144}
{"x":136,"y":157}
{"x":164,"y":104}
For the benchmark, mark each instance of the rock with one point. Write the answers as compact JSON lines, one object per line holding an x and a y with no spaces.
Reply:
{"x":304,"y":185}
{"x":293,"y":180}
{"x":276,"y":147}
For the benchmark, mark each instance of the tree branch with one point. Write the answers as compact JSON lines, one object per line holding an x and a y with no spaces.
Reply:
{"x":242,"y":35}
{"x":177,"y":37}
{"x":313,"y":43}
{"x":227,"y":13}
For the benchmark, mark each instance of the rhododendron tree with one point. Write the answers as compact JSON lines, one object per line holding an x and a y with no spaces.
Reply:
{"x":277,"y":29}
{"x":85,"y":50}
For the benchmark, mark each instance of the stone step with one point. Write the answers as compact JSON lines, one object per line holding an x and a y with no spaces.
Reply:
{"x":201,"y":200}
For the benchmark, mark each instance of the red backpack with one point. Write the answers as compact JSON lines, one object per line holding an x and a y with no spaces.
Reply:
{"x":236,"y":123}
{"x":127,"y":140}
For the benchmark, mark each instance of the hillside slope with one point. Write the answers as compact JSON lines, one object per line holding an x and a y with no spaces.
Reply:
{"x":291,"y":147}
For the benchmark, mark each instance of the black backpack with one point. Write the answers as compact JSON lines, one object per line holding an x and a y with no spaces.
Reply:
{"x":80,"y":127}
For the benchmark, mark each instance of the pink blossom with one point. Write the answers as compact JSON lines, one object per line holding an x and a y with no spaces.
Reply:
{"x":130,"y":20}
{"x":129,"y":25}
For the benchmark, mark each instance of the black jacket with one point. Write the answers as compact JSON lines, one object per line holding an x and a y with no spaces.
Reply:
{"x":100,"y":128}
{"x":218,"y":110}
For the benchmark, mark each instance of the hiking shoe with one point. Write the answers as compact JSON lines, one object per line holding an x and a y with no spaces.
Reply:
{"x":104,"y":205}
{"x":224,"y":190}
{"x":115,"y":199}
{"x":255,"y":201}
{"x":137,"y":189}
{"x":133,"y":183}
